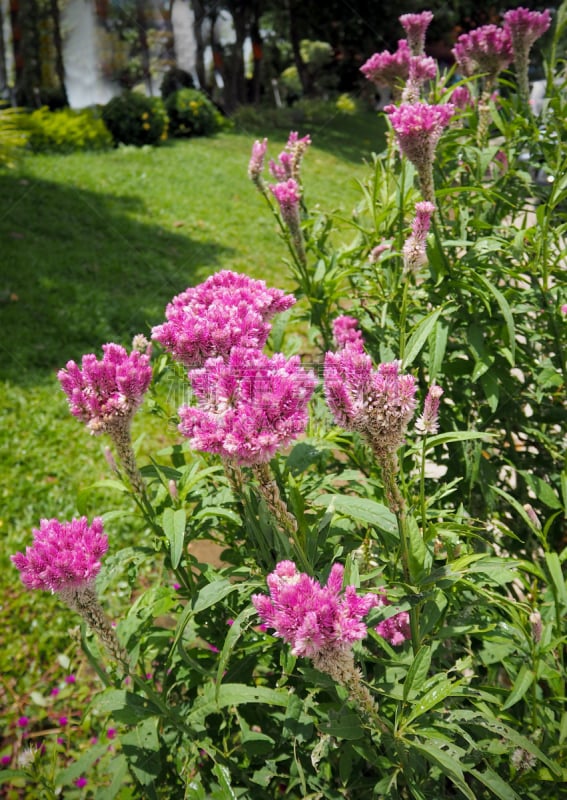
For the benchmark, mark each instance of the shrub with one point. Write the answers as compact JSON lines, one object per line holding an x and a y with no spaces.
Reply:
{"x":133,"y":118}
{"x":191,"y":113}
{"x":13,"y":134}
{"x":66,"y":130}
{"x":174,"y":80}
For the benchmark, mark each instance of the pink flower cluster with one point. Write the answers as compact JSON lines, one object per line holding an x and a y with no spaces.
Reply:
{"x":415,"y":26}
{"x":256,"y":164}
{"x":248,"y":406}
{"x":63,"y":554}
{"x":414,"y":250}
{"x":288,"y":196}
{"x":227,"y":310}
{"x":310,"y":617}
{"x":346,"y":332}
{"x":99,"y":392}
{"x":379,"y":404}
{"x":289,"y":160}
{"x":428,"y":422}
{"x":395,"y":629}
{"x":389,"y":69}
{"x":525,"y":27}
{"x":418,"y":128}
{"x":487,"y":49}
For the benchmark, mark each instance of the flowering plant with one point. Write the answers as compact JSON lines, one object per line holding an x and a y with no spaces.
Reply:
{"x":385,"y":617}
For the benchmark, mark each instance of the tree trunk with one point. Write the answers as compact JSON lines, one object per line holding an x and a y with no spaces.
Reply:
{"x":257,"y":54}
{"x":169,"y":49}
{"x":58,"y":42}
{"x":3,"y":71}
{"x":236,"y":94}
{"x":295,"y":39}
{"x":198,"y":19}
{"x":143,"y":40}
{"x":25,"y":41}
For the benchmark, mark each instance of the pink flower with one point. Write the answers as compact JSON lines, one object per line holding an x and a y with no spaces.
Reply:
{"x":395,"y":629}
{"x":5,"y":760}
{"x":102,"y":392}
{"x":63,"y":721}
{"x":428,"y":421}
{"x":346,"y":332}
{"x":63,"y":554}
{"x":23,"y":722}
{"x":70,"y":679}
{"x":227,"y":310}
{"x":290,"y":159}
{"x":288,"y":196}
{"x":389,"y":69}
{"x":310,"y":617}
{"x":486,"y":49}
{"x":414,"y":250}
{"x":256,"y":164}
{"x":80,"y":783}
{"x":564,"y":308}
{"x":377,"y":403}
{"x":415,"y":26}
{"x":111,"y":733}
{"x":461,"y":97}
{"x":249,"y":406}
{"x":525,"y":27}
{"x":418,"y":127}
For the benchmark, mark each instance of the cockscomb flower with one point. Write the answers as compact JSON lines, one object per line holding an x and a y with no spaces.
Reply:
{"x":379,"y":403}
{"x":248,"y":406}
{"x":487,"y":49}
{"x":63,"y":554}
{"x":65,"y":558}
{"x":346,"y":332}
{"x":395,"y":629}
{"x":256,"y":163}
{"x":288,"y":196}
{"x":414,"y":250}
{"x":100,"y":392}
{"x":310,"y":617}
{"x":461,"y":97}
{"x":289,"y":161}
{"x":415,"y":26}
{"x":418,"y":128}
{"x":524,"y":27}
{"x":421,"y":69}
{"x":227,"y":310}
{"x":428,"y":421}
{"x":389,"y":69}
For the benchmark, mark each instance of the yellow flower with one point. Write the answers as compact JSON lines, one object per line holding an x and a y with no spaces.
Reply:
{"x":145,"y":115}
{"x":146,"y":126}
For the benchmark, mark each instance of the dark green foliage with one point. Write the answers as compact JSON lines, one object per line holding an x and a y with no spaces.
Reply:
{"x":133,"y":118}
{"x":174,"y":80}
{"x":191,"y":113}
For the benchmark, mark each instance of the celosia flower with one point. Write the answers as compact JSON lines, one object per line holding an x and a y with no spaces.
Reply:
{"x":415,"y":26}
{"x":346,"y":332}
{"x":63,"y":554}
{"x":289,"y":161}
{"x":418,"y":128}
{"x":428,"y":422}
{"x":487,"y":49}
{"x":23,"y":722}
{"x":310,"y":617}
{"x":377,"y":251}
{"x":395,"y":629}
{"x":102,"y":393}
{"x":389,"y":69}
{"x":461,"y":97}
{"x":288,"y":195}
{"x":256,"y":164}
{"x":414,"y":250}
{"x":227,"y":310}
{"x":523,"y":28}
{"x":249,"y":406}
{"x":377,"y":403}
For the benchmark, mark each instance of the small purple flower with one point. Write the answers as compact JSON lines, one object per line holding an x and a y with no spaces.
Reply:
{"x":111,"y":733}
{"x":23,"y":722}
{"x":70,"y":679}
{"x":289,"y":161}
{"x":414,"y":250}
{"x":461,"y":98}
{"x":55,"y":691}
{"x":5,"y":760}
{"x":487,"y":49}
{"x":312,"y":618}
{"x":389,"y":69}
{"x":63,"y":555}
{"x":415,"y":26}
{"x":256,"y":165}
{"x":101,"y":392}
{"x":249,"y":406}
{"x":525,"y":26}
{"x":81,"y":782}
{"x":63,"y":721}
{"x":227,"y":310}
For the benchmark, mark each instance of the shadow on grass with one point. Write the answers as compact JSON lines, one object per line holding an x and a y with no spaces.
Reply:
{"x":78,"y":270}
{"x":350,"y":137}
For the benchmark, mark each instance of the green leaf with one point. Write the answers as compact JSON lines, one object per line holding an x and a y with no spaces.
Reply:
{"x":541,"y":489}
{"x":443,"y":687}
{"x":418,"y":671}
{"x":522,"y":683}
{"x":217,"y":511}
{"x":558,"y":581}
{"x":223,"y":776}
{"x":81,"y":765}
{"x":448,"y":765}
{"x":235,"y":694}
{"x":493,"y":781}
{"x":173,"y":523}
{"x":344,"y":725}
{"x":125,"y":706}
{"x":141,"y":747}
{"x":455,"y":436}
{"x":420,"y":336}
{"x":213,"y":593}
{"x":418,"y":555}
{"x":118,"y":768}
{"x":505,"y":310}
{"x":437,"y":346}
{"x":232,"y":638}
{"x":362,"y":509}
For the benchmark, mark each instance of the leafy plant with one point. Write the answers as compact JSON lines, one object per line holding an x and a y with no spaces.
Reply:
{"x":65,"y":131}
{"x":191,"y":113}
{"x":133,"y":118}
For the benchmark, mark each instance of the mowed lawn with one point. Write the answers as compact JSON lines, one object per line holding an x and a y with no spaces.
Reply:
{"x":93,"y":246}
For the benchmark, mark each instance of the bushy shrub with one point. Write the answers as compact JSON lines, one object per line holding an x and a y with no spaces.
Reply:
{"x":133,"y":118}
{"x":191,"y":113}
{"x":174,"y":80}
{"x":66,"y":130}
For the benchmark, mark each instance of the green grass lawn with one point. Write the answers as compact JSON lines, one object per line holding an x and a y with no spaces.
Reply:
{"x":93,"y":247}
